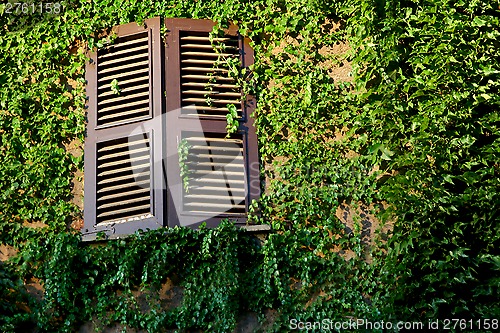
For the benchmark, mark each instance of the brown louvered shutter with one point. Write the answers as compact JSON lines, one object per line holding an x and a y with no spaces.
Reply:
{"x":222,"y":172}
{"x":123,"y":147}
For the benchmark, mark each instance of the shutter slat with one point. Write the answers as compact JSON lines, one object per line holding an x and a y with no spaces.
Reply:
{"x":214,"y":189}
{"x":125,"y":153}
{"x":215,"y":85}
{"x":127,"y":43}
{"x":219,"y":157}
{"x":215,"y":165}
{"x":214,"y":205}
{"x":214,"y":100}
{"x":200,"y":61}
{"x":215,"y":173}
{"x":122,"y":194}
{"x":122,"y":59}
{"x":208,"y":47}
{"x":210,"y":108}
{"x":206,"y":38}
{"x":123,"y":74}
{"x":123,"y":186}
{"x":212,"y":63}
{"x":129,"y":119}
{"x":122,"y":106}
{"x":120,"y":178}
{"x":124,"y":67}
{"x":207,"y":77}
{"x":208,"y":213}
{"x":130,"y":168}
{"x":216,"y":148}
{"x":212,"y":93}
{"x":209,"y":139}
{"x":125,"y":51}
{"x":197,"y":115}
{"x":126,"y":82}
{"x":122,"y":114}
{"x":206,"y":54}
{"x":235,"y":183}
{"x":124,"y":98}
{"x":123,"y":202}
{"x":119,"y":162}
{"x":205,"y":70}
{"x":214,"y":197}
{"x":125,"y":90}
{"x":125,"y":210}
{"x":142,"y":141}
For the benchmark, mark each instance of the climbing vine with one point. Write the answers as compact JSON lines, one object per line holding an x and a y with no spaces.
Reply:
{"x":183,"y":152}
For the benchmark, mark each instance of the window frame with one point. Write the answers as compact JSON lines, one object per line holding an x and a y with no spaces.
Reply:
{"x":165,"y":100}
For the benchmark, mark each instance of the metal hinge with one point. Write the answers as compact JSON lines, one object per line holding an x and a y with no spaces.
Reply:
{"x":90,"y":235}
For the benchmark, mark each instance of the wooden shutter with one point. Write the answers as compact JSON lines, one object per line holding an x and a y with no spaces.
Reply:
{"x":223,"y":173}
{"x":123,"y":147}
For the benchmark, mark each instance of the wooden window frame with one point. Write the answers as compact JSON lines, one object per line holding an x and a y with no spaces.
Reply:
{"x":165,"y":105}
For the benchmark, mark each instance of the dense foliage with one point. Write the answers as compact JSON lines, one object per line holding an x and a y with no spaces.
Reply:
{"x":431,"y":78}
{"x":414,"y":137}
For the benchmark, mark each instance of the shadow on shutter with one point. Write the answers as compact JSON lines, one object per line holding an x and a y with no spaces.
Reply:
{"x":216,"y":172}
{"x":123,"y":179}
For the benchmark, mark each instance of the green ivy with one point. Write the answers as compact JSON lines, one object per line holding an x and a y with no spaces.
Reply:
{"x":232,"y":120}
{"x":429,"y":88}
{"x":183,"y":152}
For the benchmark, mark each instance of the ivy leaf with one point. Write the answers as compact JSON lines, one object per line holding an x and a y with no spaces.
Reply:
{"x":232,"y":120}
{"x":386,"y":153}
{"x":478,"y":22}
{"x":114,"y":87}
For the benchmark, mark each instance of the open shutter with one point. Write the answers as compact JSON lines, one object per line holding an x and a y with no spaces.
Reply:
{"x":123,"y":147}
{"x":222,"y":172}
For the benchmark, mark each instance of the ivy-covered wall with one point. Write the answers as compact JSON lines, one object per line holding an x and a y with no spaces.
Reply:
{"x":365,"y":108}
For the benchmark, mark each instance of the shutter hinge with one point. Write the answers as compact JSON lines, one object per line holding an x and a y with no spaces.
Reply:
{"x":91,"y":235}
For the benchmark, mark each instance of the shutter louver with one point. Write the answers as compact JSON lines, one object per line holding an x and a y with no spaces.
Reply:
{"x":124,"y":179}
{"x":123,"y":188}
{"x":206,"y":85}
{"x":123,"y":81}
{"x":216,"y":174}
{"x":201,"y":85}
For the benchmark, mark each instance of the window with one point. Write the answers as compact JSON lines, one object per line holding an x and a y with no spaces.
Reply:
{"x":157,"y":152}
